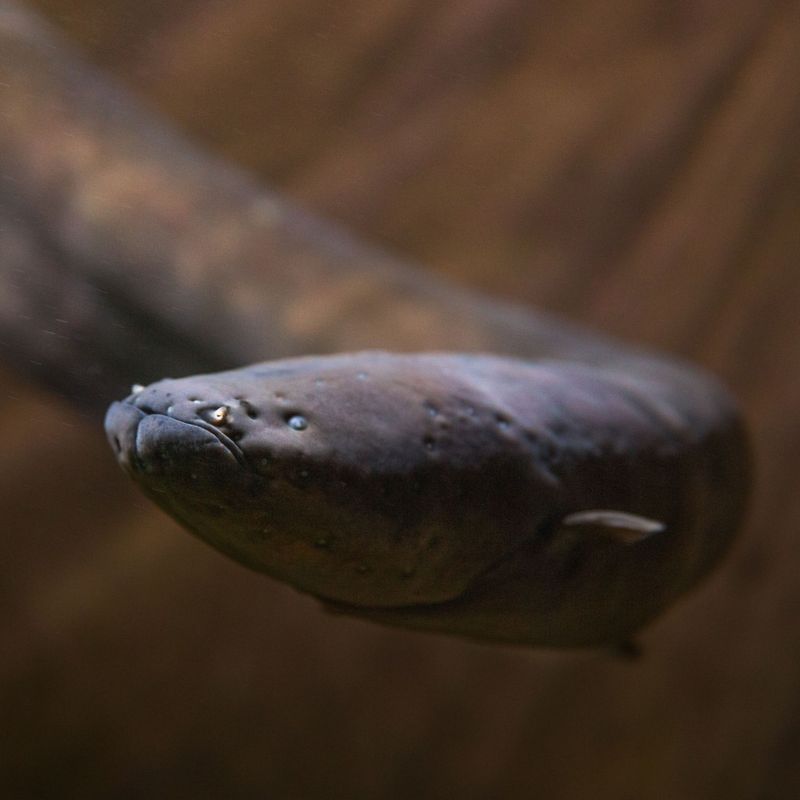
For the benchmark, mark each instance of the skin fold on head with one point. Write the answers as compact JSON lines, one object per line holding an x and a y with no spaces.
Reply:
{"x":539,"y":503}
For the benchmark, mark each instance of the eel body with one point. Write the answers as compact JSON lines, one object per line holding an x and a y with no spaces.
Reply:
{"x":554,"y":502}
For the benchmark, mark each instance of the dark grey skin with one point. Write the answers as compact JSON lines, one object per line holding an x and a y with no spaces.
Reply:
{"x":550,"y":503}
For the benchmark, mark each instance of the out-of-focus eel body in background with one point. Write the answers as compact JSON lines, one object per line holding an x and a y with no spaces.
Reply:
{"x":129,"y":254}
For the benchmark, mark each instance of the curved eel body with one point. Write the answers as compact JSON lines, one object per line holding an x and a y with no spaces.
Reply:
{"x":555,"y":503}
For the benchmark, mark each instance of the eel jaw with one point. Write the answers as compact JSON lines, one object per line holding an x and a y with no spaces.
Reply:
{"x":161,"y":446}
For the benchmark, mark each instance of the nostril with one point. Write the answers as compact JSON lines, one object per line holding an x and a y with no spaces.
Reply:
{"x":217,"y":416}
{"x":247,"y":407}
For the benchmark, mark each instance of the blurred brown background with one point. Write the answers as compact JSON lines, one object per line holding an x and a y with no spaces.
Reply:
{"x":631,"y":164}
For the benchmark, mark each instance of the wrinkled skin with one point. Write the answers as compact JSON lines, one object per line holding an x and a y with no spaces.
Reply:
{"x":435,"y":491}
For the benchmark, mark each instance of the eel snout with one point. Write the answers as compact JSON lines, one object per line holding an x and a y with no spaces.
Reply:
{"x":153,"y":445}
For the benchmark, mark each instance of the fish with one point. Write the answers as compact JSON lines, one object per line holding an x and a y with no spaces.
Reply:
{"x":548,"y":503}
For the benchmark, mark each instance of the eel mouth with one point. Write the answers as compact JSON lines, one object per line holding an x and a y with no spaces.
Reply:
{"x":222,"y":437}
{"x":137,"y":436}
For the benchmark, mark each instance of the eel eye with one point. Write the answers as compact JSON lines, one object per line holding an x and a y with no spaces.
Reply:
{"x":297,"y":422}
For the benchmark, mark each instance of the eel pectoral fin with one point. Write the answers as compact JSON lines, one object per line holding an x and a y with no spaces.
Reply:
{"x":618,"y":526}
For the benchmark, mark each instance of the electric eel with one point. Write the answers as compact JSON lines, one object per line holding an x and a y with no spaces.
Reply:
{"x":555,"y":502}
{"x":564,"y":499}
